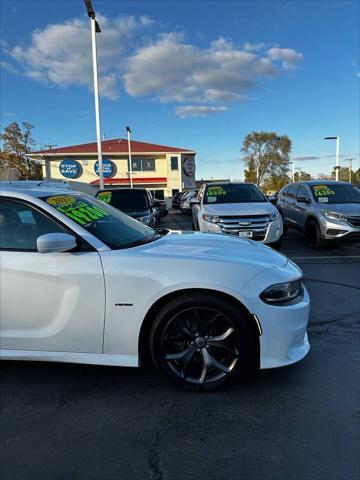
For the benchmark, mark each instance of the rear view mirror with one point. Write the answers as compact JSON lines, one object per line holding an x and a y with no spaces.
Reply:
{"x":55,"y":243}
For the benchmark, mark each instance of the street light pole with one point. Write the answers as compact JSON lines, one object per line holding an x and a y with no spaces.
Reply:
{"x":95,"y":28}
{"x":337,"y":166}
{"x":130,"y":162}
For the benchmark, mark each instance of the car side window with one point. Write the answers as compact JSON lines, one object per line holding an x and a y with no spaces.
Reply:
{"x":21,"y":225}
{"x":292,"y":191}
{"x":302,"y":192}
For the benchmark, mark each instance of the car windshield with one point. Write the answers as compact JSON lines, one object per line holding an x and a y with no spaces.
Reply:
{"x":126,"y":200}
{"x":114,"y":228}
{"x":233,"y":193}
{"x":336,"y":193}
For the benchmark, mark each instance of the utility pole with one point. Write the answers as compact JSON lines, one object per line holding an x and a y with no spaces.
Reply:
{"x":299,"y":170}
{"x":257,"y":175}
{"x":350,"y":167}
{"x":49,"y":146}
{"x":337,"y":166}
{"x":130,"y":162}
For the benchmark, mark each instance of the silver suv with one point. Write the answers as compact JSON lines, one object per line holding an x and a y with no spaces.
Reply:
{"x":324,"y":210}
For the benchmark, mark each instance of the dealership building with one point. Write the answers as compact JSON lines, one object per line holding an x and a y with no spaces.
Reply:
{"x":162,"y":169}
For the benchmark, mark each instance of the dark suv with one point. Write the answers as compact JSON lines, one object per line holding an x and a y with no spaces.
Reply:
{"x":325,"y":210}
{"x":138,"y":203}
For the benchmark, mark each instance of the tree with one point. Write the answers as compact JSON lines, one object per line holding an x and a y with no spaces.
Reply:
{"x":17,"y":143}
{"x":265,"y":154}
{"x":303,"y":176}
{"x":274,"y":183}
{"x":344,"y":175}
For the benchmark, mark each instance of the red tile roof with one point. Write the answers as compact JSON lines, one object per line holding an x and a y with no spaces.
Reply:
{"x":117,"y":145}
{"x":139,"y":180}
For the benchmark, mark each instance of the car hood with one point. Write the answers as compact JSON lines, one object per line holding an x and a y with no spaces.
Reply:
{"x":251,"y":208}
{"x":350,"y":209}
{"x":214,"y":247}
{"x":137,"y":213}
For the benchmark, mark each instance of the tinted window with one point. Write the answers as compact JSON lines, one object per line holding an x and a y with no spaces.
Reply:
{"x":126,"y":200}
{"x":336,"y":193}
{"x":302,"y":192}
{"x":233,"y":193}
{"x":21,"y":225}
{"x":292,"y":191}
{"x":108,"y":224}
{"x":143,"y":165}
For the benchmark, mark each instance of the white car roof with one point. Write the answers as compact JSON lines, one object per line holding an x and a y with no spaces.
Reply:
{"x":35,"y":188}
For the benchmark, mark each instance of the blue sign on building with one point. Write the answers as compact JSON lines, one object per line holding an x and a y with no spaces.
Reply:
{"x":69,"y":168}
{"x":108,"y":168}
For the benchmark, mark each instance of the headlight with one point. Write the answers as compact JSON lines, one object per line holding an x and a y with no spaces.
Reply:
{"x":274,"y":215}
{"x":333,"y":215}
{"x":211,"y":218}
{"x":145,"y":220}
{"x":283,"y":293}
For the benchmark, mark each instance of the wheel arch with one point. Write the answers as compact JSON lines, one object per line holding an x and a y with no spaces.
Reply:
{"x":143,"y":341}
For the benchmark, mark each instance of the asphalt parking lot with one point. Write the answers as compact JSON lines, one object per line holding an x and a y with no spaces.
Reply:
{"x":63,"y":421}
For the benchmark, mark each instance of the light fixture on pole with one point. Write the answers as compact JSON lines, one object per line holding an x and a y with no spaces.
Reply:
{"x":337,"y":166}
{"x":95,"y":28}
{"x":130,"y":162}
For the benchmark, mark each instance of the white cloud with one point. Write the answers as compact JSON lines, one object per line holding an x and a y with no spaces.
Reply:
{"x":60,"y":54}
{"x":9,"y":67}
{"x":287,"y":56}
{"x":166,"y":68}
{"x":171,"y":70}
{"x":198,"y":110}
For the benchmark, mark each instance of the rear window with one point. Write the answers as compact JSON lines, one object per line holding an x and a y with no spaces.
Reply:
{"x":336,"y":193}
{"x":126,"y":200}
{"x":233,"y":193}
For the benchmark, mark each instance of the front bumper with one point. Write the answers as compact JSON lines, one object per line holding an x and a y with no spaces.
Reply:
{"x":284,"y":337}
{"x":339,"y":230}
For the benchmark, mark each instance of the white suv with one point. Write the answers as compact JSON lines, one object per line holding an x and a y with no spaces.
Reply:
{"x":239,"y":209}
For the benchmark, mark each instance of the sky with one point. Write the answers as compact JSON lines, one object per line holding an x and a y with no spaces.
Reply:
{"x":192,"y":74}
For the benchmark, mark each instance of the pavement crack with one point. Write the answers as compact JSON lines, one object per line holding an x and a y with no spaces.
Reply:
{"x":154,"y":460}
{"x":315,"y":280}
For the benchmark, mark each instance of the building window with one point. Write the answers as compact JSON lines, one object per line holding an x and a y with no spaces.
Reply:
{"x":174,"y":163}
{"x":143,"y":165}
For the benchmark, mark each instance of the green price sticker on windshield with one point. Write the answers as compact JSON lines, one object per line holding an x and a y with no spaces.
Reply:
{"x":79,"y":211}
{"x":215,"y":190}
{"x":323,"y":191}
{"x":104,"y":196}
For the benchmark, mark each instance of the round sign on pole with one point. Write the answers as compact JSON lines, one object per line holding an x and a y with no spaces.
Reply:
{"x":188,"y":166}
{"x":108,"y":168}
{"x":69,"y":168}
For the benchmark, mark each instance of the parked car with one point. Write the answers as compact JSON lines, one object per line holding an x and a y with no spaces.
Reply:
{"x":135,"y":202}
{"x":326,"y":211}
{"x":185,"y":204}
{"x":239,"y":209}
{"x":98,"y":287}
{"x":176,"y":199}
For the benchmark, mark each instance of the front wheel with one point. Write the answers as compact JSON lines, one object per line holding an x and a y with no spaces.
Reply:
{"x":202,"y":341}
{"x":313,"y":235}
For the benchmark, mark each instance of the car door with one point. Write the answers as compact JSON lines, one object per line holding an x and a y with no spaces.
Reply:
{"x":196,"y":207}
{"x":49,"y":301}
{"x":288,"y":208}
{"x":301,"y":208}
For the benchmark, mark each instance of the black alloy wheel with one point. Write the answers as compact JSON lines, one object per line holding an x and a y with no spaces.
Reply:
{"x":201,"y":341}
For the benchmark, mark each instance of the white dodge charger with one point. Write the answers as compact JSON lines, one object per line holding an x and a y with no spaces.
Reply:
{"x":82,"y":282}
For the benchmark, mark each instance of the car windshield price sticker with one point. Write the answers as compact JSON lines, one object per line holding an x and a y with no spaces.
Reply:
{"x":322,"y":191}
{"x":217,"y":191}
{"x":80,"y":211}
{"x":104,"y":196}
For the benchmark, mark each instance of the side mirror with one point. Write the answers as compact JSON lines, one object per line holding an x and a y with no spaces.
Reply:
{"x":194,"y":201}
{"x":303,"y":200}
{"x":55,"y":243}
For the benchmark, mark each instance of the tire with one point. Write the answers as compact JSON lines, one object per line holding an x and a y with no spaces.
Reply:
{"x":313,"y":235}
{"x":202,"y":342}
{"x":276,"y":245}
{"x":193,"y":228}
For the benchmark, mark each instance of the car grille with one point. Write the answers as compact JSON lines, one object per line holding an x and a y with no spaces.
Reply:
{"x":354,"y":221}
{"x":232,"y":225}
